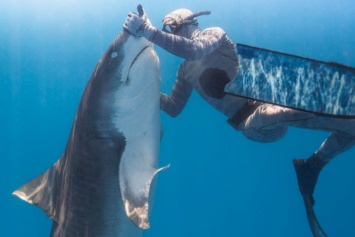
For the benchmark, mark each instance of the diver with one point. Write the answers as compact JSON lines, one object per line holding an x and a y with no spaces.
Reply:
{"x":210,"y":63}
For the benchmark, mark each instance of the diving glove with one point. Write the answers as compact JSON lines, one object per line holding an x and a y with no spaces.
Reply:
{"x":139,"y":25}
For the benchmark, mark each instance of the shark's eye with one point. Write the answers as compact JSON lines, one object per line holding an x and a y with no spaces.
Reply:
{"x":114,"y":54}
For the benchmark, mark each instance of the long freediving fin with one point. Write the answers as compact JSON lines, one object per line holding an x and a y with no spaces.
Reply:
{"x":294,"y":82}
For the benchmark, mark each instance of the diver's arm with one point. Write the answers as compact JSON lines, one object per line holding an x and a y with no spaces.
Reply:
{"x":190,"y":49}
{"x":174,"y":104}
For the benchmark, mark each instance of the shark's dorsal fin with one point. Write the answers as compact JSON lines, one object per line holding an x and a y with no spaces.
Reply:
{"x":136,"y":177}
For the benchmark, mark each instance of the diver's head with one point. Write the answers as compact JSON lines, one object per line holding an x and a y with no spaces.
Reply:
{"x":182,"y":22}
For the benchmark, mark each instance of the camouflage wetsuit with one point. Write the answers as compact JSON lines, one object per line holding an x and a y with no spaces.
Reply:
{"x":212,"y":49}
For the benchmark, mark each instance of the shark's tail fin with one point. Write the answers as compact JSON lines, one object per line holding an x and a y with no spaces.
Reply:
{"x":42,"y":191}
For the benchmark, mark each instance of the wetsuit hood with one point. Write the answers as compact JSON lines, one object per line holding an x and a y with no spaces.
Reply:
{"x":181,"y":17}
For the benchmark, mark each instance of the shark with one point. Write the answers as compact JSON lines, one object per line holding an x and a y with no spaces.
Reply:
{"x":103,"y":185}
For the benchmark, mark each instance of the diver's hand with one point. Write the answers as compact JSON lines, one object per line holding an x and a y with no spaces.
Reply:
{"x":139,"y":25}
{"x":135,"y":24}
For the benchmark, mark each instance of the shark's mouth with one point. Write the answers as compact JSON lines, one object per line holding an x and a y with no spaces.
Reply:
{"x":135,"y":59}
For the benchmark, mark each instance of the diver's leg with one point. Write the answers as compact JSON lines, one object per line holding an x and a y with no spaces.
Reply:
{"x":308,"y":170}
{"x":269,"y":122}
{"x":341,"y":139}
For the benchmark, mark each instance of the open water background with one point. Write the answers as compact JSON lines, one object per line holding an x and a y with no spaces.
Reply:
{"x":219,"y":183}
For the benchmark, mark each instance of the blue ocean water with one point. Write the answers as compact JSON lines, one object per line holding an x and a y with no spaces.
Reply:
{"x":219,"y":183}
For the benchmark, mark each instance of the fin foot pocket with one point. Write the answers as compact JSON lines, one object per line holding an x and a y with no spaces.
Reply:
{"x":307,"y":171}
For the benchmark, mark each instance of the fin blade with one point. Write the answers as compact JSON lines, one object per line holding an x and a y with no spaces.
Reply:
{"x":312,"y":219}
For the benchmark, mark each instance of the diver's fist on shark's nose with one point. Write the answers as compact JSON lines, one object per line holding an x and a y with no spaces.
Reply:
{"x":139,"y":25}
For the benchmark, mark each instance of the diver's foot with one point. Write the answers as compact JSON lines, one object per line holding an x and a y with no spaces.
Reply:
{"x":307,"y":171}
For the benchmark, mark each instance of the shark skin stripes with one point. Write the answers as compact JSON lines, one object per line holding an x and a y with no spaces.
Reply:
{"x":101,"y":186}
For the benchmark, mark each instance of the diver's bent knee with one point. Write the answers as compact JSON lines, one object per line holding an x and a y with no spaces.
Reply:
{"x":265,"y":136}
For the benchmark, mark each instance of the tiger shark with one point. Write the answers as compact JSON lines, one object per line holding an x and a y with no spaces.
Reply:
{"x":103,"y":185}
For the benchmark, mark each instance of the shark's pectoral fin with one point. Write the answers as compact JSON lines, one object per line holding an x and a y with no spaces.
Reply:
{"x":135,"y":178}
{"x":42,"y":191}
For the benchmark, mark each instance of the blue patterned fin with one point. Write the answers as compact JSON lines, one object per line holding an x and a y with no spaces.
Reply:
{"x":321,"y":87}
